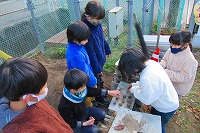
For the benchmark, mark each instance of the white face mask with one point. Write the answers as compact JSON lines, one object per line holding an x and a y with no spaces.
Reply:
{"x":39,"y":97}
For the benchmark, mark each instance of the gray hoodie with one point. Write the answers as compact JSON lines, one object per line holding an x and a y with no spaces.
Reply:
{"x":6,"y":114}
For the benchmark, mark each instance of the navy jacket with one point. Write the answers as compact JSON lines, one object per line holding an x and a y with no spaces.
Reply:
{"x":97,"y":47}
{"x":77,"y":57}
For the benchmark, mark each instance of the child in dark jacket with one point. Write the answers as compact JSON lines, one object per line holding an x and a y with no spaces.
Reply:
{"x":72,"y":106}
{"x":97,"y":47}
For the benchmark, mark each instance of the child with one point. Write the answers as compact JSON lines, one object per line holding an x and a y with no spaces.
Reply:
{"x":76,"y":55}
{"x":23,"y":88}
{"x":72,"y":106}
{"x":154,"y":87}
{"x":179,"y":62}
{"x":97,"y":47}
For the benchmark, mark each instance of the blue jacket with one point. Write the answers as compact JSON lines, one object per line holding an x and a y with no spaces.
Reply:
{"x":77,"y":57}
{"x":97,"y":47}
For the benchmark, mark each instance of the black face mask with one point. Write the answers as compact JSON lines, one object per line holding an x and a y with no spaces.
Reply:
{"x":175,"y":50}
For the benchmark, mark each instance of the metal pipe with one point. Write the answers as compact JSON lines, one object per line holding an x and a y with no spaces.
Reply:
{"x":36,"y":28}
{"x":151,"y":20}
{"x":144,"y":16}
{"x":77,"y":9}
{"x":130,"y":23}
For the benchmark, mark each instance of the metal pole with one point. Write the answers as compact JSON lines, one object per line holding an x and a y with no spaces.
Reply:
{"x":77,"y":9}
{"x":160,"y":15}
{"x":144,"y":16}
{"x":151,"y":20}
{"x":182,"y":3}
{"x":30,"y":7}
{"x":130,"y":23}
{"x":117,"y":3}
{"x":105,"y":4}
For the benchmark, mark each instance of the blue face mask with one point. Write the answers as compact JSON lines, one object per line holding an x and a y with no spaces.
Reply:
{"x":175,"y":50}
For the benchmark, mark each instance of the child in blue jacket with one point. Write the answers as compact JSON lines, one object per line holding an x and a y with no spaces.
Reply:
{"x":76,"y":54}
{"x":97,"y":47}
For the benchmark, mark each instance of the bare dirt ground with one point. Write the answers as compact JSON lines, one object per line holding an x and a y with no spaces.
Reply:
{"x":185,"y":120}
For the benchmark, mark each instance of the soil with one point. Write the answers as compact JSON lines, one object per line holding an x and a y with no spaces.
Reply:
{"x":56,"y":70}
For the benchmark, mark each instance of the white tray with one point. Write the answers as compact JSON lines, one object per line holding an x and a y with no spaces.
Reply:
{"x":130,"y":119}
{"x":126,"y":98}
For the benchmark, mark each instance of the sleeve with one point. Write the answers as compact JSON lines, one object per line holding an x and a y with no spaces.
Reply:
{"x":96,"y":66}
{"x":107,"y":47}
{"x":148,"y":92}
{"x":94,"y":92}
{"x":182,"y":76}
{"x":164,"y":62}
{"x":79,"y":63}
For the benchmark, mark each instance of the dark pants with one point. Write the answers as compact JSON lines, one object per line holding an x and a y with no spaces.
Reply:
{"x":99,"y":85}
{"x":165,"y":117}
{"x":98,"y":114}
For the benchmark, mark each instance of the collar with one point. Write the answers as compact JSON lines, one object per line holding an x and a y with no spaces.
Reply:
{"x":67,"y":94}
{"x":89,"y":24}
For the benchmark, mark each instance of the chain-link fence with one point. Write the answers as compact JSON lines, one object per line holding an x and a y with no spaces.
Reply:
{"x":26,"y":24}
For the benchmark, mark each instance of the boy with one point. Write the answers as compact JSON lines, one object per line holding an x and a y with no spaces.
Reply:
{"x":72,"y":106}
{"x":23,"y":88}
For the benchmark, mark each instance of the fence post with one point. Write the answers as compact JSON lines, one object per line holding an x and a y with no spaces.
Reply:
{"x":144,"y":16}
{"x":36,"y":28}
{"x":117,"y":3}
{"x":182,"y":3}
{"x":130,"y":23}
{"x":151,"y":20}
{"x":160,"y":14}
{"x":77,"y":9}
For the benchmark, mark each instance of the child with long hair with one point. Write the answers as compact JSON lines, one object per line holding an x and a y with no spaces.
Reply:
{"x":154,"y":87}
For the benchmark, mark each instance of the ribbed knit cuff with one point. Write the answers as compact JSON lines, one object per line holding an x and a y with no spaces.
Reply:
{"x":79,"y":124}
{"x":104,"y":92}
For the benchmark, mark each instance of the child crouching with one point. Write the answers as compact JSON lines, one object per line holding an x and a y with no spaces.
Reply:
{"x":72,"y":106}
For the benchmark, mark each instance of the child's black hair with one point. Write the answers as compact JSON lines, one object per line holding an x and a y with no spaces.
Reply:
{"x":95,"y":10}
{"x":131,"y":62}
{"x":78,"y":31}
{"x":75,"y":79}
{"x":20,"y":76}
{"x":180,"y":37}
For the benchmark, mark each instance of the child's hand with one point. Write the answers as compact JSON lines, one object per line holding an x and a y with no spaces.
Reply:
{"x":108,"y":56}
{"x":89,"y":122}
{"x":114,"y":93}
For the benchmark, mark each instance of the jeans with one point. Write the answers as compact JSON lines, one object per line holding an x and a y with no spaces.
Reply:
{"x":98,"y":114}
{"x":165,"y":117}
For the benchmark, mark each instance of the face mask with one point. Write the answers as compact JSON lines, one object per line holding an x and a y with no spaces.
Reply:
{"x":175,"y":50}
{"x":39,"y":97}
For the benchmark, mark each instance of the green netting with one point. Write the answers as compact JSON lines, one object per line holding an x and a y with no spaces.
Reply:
{"x":18,"y":36}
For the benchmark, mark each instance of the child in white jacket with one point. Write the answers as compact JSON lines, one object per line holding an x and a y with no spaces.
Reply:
{"x":179,"y":62}
{"x":155,"y":87}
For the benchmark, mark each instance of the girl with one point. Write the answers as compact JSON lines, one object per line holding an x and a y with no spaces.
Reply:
{"x":97,"y":47}
{"x":179,"y":62}
{"x":154,"y":87}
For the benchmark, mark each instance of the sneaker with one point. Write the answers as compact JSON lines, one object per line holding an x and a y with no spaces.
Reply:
{"x":102,"y":101}
{"x":94,"y":103}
